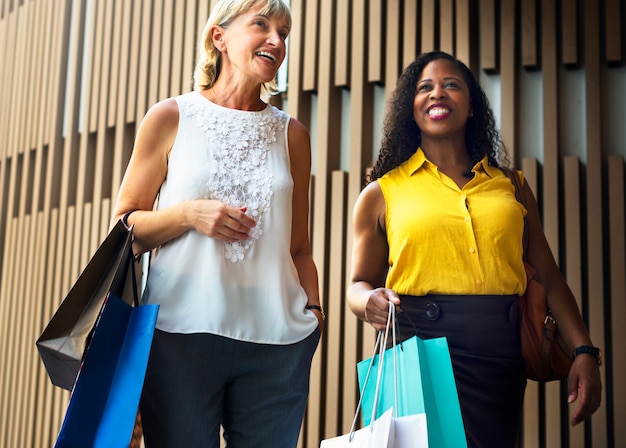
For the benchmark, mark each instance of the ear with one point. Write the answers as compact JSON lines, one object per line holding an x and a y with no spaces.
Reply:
{"x":217,"y":36}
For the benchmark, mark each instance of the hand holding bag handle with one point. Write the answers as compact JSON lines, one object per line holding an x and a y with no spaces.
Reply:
{"x":379,"y":348}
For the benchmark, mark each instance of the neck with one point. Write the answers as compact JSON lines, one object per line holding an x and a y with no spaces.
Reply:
{"x":236,"y":98}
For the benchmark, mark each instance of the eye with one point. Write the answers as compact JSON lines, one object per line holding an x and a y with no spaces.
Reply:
{"x":425,"y":87}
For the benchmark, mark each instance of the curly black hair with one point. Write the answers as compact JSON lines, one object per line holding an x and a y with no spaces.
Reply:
{"x":402,"y":136}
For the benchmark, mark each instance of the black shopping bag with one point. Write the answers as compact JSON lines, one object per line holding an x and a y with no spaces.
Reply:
{"x":62,"y":344}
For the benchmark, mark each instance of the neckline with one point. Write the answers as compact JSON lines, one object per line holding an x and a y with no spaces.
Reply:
{"x":230,"y":108}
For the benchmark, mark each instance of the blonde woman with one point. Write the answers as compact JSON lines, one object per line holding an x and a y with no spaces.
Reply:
{"x":240,"y":315}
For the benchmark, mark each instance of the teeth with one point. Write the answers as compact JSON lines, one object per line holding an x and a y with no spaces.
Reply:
{"x":267,"y":55}
{"x":438,"y":111}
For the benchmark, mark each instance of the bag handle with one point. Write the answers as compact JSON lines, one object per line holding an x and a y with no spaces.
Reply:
{"x":380,"y":349}
{"x":132,"y":260}
{"x":517,"y":183}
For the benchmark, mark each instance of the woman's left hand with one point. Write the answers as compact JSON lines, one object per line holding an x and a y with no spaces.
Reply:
{"x":584,"y":385}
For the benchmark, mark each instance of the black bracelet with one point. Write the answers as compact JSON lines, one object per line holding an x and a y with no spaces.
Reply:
{"x":318,"y":308}
{"x":590,"y":350}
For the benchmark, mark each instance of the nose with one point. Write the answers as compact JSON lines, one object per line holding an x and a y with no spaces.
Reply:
{"x":437,"y":91}
{"x":274,"y":37}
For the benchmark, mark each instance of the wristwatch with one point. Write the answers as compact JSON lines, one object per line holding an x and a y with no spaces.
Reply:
{"x":590,"y":350}
{"x":318,"y":308}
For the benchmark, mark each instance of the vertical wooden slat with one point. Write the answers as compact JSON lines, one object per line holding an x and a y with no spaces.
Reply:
{"x":97,"y":72}
{"x":327,"y":153}
{"x":102,"y":149}
{"x":617,"y":361}
{"x":191,"y":38}
{"x":428,"y":40}
{"x":529,"y":32}
{"x":613,"y":30}
{"x":573,"y":200}
{"x":145,"y":52}
{"x":311,"y":45}
{"x":119,"y":45}
{"x":31,"y":79}
{"x":550,"y":192}
{"x":93,"y":78}
{"x":336,"y":306}
{"x":177,"y":49}
{"x":488,"y":60}
{"x":573,"y":246}
{"x":392,"y":45}
{"x":569,"y":32}
{"x":21,"y":74}
{"x":463,"y":40}
{"x":446,"y":26}
{"x":508,"y":75}
{"x":531,"y":418}
{"x":410,"y":41}
{"x":298,"y":104}
{"x":376,"y":41}
{"x":342,"y":50}
{"x":165,"y":59}
{"x":125,"y":90}
{"x":154,"y":74}
{"x":595,"y":213}
{"x":361,"y":105}
{"x":133,"y":60}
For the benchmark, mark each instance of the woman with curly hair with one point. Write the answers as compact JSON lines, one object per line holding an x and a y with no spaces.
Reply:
{"x":438,"y":228}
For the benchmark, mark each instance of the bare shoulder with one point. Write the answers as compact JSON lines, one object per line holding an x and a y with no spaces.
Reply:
{"x":370,"y":205}
{"x":372,"y":193}
{"x":165,"y":113}
{"x":158,"y":128}
{"x":298,"y":134}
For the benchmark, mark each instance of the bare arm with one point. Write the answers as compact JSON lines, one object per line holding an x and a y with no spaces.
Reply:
{"x":367,"y":297}
{"x":300,"y":156}
{"x":146,"y":171}
{"x":584,"y":378}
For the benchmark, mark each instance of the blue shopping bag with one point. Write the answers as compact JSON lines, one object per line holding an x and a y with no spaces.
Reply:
{"x":105,"y":398}
{"x":425,"y":384}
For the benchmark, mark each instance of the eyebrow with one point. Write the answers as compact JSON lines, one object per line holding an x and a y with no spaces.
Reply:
{"x":447,"y":78}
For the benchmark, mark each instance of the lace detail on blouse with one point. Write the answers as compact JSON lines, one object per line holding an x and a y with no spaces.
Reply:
{"x":236,"y":171}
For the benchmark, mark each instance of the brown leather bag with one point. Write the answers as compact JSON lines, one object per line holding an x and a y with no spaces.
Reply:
{"x":545,"y":353}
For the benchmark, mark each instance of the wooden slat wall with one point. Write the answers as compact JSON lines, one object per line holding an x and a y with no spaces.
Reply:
{"x":77,"y":77}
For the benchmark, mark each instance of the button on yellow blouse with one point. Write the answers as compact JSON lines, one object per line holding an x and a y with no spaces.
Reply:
{"x":447,"y":240}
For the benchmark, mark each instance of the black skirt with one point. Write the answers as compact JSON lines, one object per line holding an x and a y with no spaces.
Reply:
{"x":483,"y":334}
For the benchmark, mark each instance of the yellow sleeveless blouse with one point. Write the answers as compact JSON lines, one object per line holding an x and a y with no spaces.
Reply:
{"x":447,"y":240}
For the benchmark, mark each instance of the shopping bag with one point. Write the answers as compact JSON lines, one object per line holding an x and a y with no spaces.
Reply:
{"x":63,"y":341}
{"x":374,"y":435}
{"x":387,"y":430}
{"x":105,"y":398}
{"x":425,"y":384}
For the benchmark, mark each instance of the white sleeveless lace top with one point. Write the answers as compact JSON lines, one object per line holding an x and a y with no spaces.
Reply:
{"x":247,"y":290}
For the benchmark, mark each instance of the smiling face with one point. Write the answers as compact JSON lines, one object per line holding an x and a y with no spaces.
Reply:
{"x":253,"y":44}
{"x":442,"y":103}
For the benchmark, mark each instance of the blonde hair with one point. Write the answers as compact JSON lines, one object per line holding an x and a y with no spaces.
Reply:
{"x":209,"y":58}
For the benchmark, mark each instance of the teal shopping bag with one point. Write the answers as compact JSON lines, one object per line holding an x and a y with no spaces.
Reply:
{"x":105,"y":398}
{"x":425,"y":384}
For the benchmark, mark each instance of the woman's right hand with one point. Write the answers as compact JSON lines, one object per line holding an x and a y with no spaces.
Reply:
{"x":377,"y":307}
{"x":220,"y":221}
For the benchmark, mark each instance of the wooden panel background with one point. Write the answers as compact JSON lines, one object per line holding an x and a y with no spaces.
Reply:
{"x":77,"y":76}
